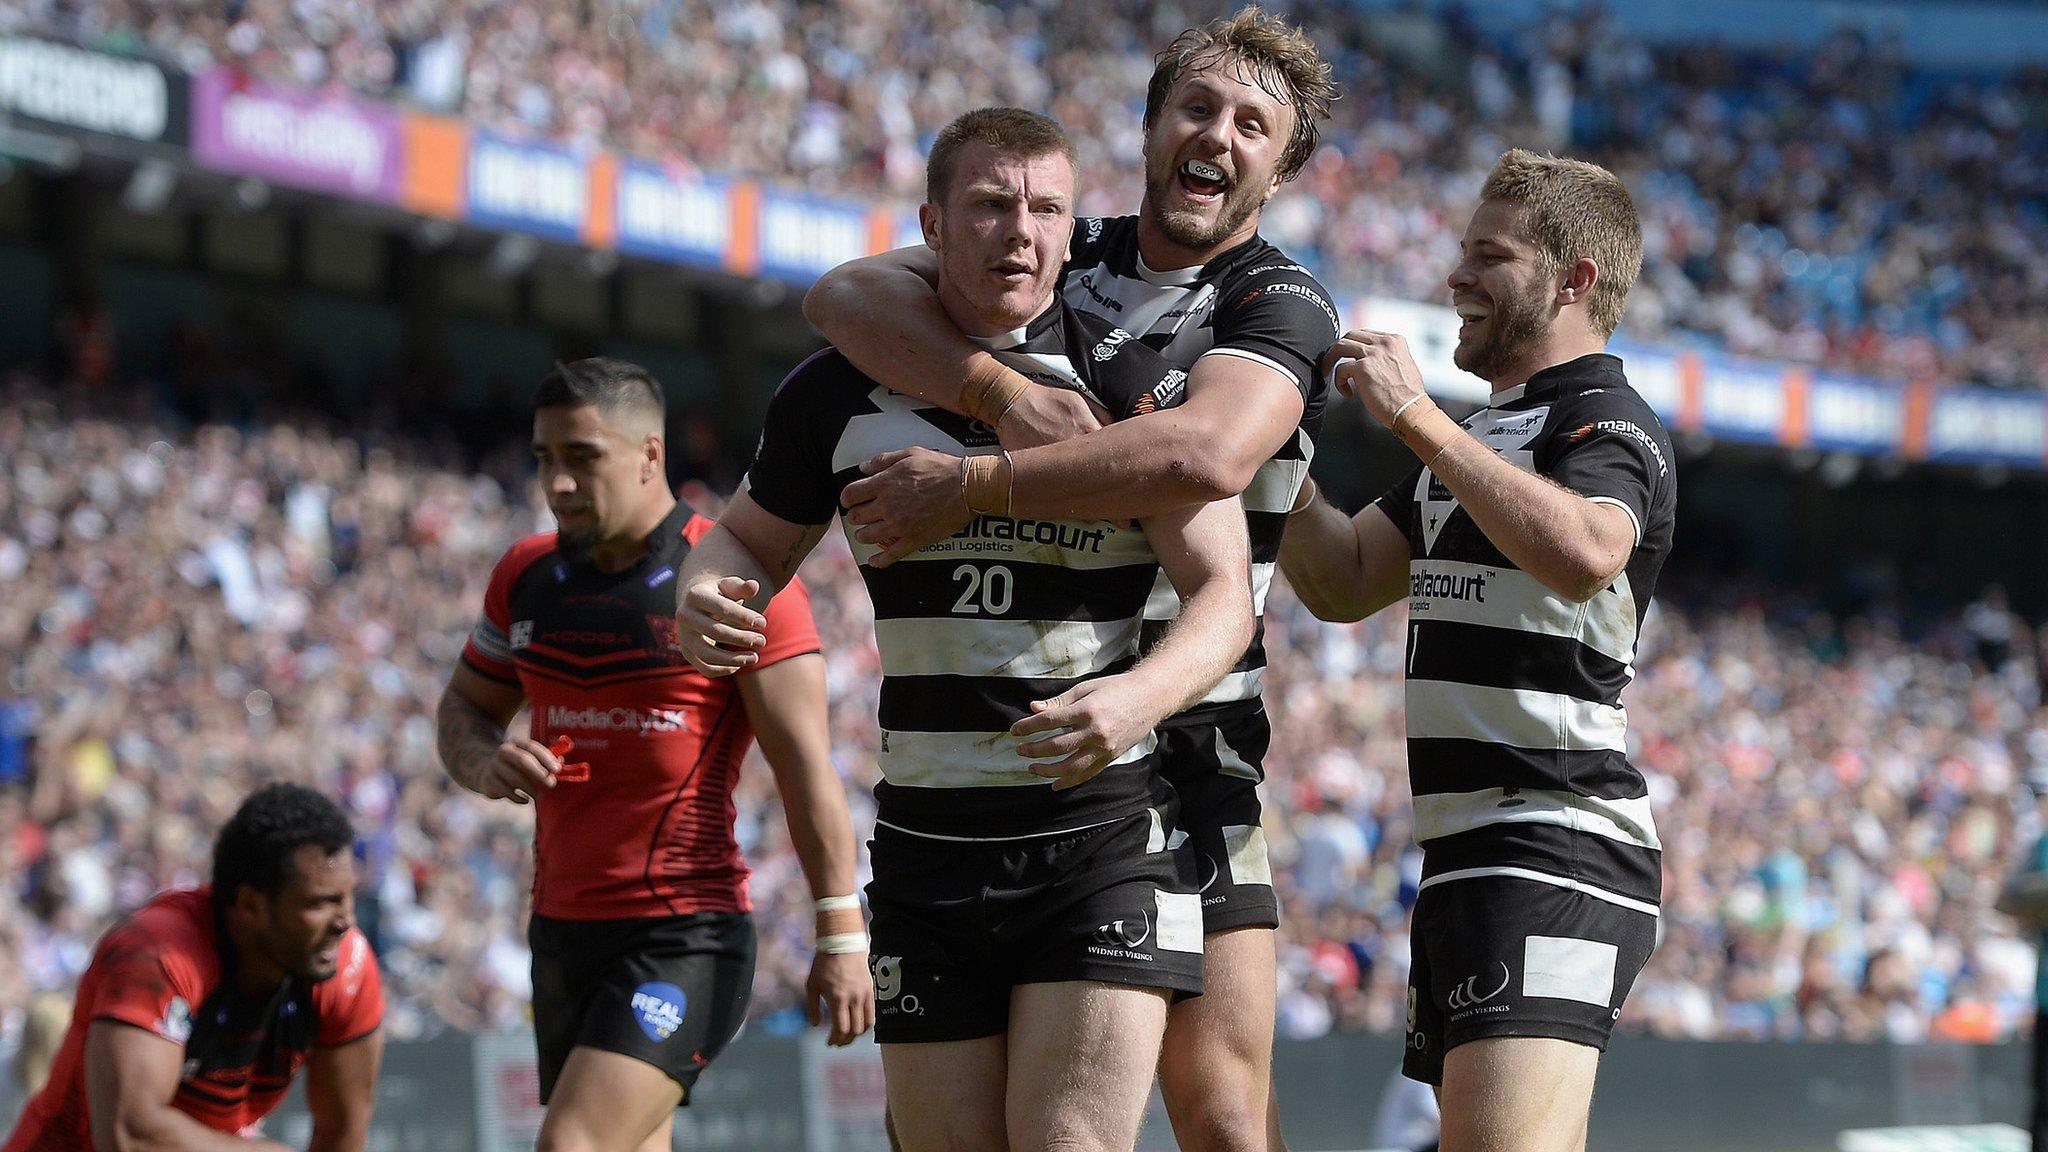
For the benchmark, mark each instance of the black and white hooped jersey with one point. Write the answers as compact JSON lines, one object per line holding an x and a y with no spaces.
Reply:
{"x":1254,"y":302}
{"x":973,"y":628}
{"x":1517,"y":750}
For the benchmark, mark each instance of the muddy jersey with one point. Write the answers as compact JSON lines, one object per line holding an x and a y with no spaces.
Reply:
{"x":1252,"y":302}
{"x":650,"y":832}
{"x":1008,"y":610}
{"x":167,"y":969}
{"x":1517,"y":737}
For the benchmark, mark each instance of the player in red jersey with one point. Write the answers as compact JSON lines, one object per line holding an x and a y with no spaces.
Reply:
{"x":643,"y":949}
{"x":198,"y":1009}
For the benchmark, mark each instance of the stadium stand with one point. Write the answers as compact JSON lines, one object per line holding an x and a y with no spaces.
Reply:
{"x":1929,"y":267}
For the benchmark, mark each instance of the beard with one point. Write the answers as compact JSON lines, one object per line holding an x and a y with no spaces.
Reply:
{"x":1185,"y":227}
{"x":576,"y":541}
{"x":1514,"y":325}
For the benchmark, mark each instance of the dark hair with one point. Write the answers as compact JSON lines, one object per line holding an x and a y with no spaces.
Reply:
{"x":1015,"y":131}
{"x":622,"y":390}
{"x":256,"y":845}
{"x":1282,"y":59}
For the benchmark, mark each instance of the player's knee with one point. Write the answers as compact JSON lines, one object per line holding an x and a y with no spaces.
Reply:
{"x":561,"y":1139}
{"x":1072,"y":1142}
{"x":557,"y":1136}
{"x":1227,"y":1126}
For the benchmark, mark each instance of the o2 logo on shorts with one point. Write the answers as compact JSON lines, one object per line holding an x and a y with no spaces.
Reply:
{"x":658,"y":1008}
{"x":888,"y":974}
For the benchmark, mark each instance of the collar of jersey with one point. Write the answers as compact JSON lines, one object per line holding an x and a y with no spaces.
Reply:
{"x":1591,"y":366}
{"x":1039,"y":324}
{"x":660,"y":542}
{"x":1175,"y":278}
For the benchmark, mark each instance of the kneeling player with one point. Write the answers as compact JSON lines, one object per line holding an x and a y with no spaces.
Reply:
{"x":198,"y":1009}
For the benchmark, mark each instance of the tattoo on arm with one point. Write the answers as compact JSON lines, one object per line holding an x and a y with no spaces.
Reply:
{"x":464,"y":736}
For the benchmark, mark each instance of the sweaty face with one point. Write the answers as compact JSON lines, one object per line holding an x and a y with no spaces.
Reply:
{"x":1501,"y":292}
{"x":312,"y":912}
{"x":590,"y":472}
{"x":1212,"y":157}
{"x":1001,"y":236}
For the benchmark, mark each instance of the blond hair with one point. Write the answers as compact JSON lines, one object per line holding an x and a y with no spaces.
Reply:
{"x":1282,"y":57}
{"x":1575,"y":211}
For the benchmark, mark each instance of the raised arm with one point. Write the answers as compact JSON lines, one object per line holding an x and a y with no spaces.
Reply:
{"x":341,"y":1090}
{"x":1342,"y":567}
{"x":1205,"y":553}
{"x":882,"y":312}
{"x":131,"y":1076}
{"x":730,"y":576}
{"x":785,"y":702}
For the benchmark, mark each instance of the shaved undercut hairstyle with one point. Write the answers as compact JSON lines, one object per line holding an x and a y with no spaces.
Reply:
{"x":626,"y":393}
{"x":1010,"y":131}
{"x":1282,"y":59}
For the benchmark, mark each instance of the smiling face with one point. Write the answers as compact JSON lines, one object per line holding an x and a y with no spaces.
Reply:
{"x":1001,"y":234}
{"x":1503,"y":292}
{"x":1212,"y":156}
{"x":594,"y":473}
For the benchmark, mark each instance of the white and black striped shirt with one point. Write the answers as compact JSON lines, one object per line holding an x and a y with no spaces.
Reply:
{"x":1517,"y":751}
{"x":1251,"y":302}
{"x":1006,"y":611}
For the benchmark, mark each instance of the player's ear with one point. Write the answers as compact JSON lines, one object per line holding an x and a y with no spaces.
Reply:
{"x":251,"y":903}
{"x":928,"y":220}
{"x":1579,"y":279}
{"x":652,"y":451}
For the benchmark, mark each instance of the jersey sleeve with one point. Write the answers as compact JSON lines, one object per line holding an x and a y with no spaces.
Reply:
{"x":1611,"y":449}
{"x":1398,"y":502}
{"x":791,"y":476}
{"x":351,"y":1003}
{"x":791,"y":629}
{"x":489,"y":650}
{"x":1279,"y":315}
{"x":149,"y":976}
{"x":1133,"y":380}
{"x":1089,"y":242}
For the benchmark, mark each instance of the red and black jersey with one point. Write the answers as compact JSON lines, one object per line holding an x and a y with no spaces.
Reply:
{"x":168,"y":968}
{"x":649,"y":833}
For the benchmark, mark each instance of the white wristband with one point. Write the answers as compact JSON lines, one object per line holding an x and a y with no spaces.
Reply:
{"x":1396,"y":417}
{"x":843,"y":943}
{"x":838,"y":904}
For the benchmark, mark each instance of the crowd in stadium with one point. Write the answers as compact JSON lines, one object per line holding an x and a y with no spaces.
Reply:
{"x":1930,"y":266}
{"x":188,"y":611}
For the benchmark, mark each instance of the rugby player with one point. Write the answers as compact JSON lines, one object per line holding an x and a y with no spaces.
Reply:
{"x":643,"y":949}
{"x":1527,"y":543}
{"x":1231,"y":113}
{"x":200,"y":1007}
{"x":1031,"y":920}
